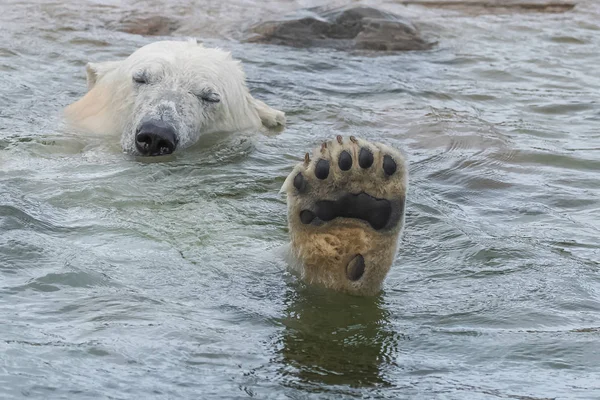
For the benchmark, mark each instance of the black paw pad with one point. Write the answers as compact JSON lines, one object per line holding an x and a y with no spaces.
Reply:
{"x":365,"y":158}
{"x":299,"y":182}
{"x":377,"y":212}
{"x":326,"y":210}
{"x":345,"y":161}
{"x":355,"y":268}
{"x":322,"y":169}
{"x":389,"y":165}
{"x":307,"y":216}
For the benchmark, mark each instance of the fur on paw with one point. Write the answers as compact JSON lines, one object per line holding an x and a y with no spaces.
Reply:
{"x":346,"y":213}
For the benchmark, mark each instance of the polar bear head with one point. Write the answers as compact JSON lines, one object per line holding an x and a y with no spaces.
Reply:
{"x":166,"y":95}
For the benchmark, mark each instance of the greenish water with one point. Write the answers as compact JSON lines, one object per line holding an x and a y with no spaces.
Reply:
{"x":124,"y":279}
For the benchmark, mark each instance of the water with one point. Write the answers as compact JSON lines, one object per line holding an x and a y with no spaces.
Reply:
{"x":124,"y":279}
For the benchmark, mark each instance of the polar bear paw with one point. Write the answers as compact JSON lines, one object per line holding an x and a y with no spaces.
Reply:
{"x":346,"y":213}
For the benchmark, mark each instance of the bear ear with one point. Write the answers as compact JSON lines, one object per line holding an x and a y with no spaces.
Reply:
{"x":194,"y":42}
{"x":95,"y":71}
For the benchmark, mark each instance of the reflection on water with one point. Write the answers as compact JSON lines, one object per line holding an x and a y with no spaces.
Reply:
{"x":335,"y":339}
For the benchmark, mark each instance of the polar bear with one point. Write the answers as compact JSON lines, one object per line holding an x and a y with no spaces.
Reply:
{"x":346,"y":213}
{"x":166,"y":95}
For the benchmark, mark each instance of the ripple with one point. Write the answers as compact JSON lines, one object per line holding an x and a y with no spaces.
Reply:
{"x":124,"y":278}
{"x":563,"y":108}
{"x":52,"y":282}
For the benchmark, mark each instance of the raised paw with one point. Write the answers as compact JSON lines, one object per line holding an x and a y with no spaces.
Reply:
{"x":346,"y":212}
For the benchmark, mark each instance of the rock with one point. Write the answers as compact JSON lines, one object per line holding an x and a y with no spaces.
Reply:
{"x":357,"y":28}
{"x":496,"y":6}
{"x":147,"y":26}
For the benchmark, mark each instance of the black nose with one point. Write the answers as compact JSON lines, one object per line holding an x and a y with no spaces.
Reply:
{"x":155,"y":138}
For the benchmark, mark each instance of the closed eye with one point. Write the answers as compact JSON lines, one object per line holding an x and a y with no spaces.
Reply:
{"x":209,"y":96}
{"x":140,"y":78}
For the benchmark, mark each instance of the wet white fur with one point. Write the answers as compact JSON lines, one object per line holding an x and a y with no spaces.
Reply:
{"x":178,"y":72}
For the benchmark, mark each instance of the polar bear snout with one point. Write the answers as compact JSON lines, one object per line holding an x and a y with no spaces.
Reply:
{"x":155,"y":138}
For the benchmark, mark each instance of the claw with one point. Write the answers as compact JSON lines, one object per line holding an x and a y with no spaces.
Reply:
{"x":306,"y":159}
{"x":339,"y":138}
{"x":353,"y":140}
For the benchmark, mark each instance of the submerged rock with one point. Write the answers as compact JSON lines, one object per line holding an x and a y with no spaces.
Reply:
{"x":147,"y":26}
{"x":358,"y":28}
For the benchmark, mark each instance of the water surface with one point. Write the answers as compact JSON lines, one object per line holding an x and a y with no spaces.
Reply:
{"x":126,"y":279}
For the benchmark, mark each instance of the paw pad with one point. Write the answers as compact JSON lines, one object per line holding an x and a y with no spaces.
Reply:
{"x":299,"y":182}
{"x":345,"y":161}
{"x":356,"y":268}
{"x":307,"y":216}
{"x":389,"y":165}
{"x":376,"y":212}
{"x":365,"y":158}
{"x":322,"y":169}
